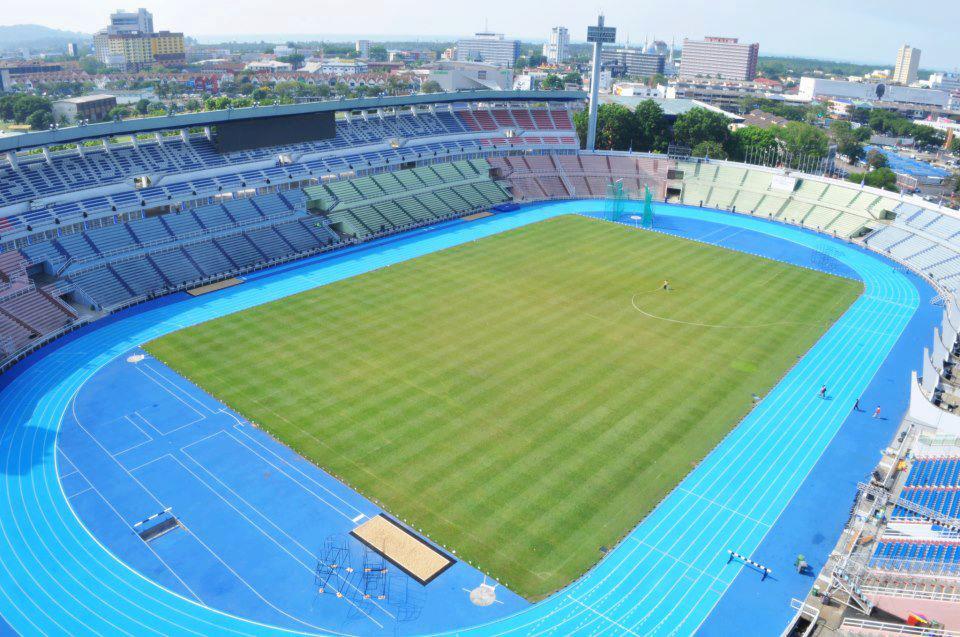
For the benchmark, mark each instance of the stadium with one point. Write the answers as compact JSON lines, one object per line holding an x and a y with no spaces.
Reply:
{"x":421,"y":365}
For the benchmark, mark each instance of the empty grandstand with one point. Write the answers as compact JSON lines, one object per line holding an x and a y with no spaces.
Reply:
{"x":100,"y":218}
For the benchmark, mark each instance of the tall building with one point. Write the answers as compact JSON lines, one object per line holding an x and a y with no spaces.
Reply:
{"x":130,"y":43}
{"x":140,"y":21}
{"x":625,"y":60}
{"x":908,"y":61}
{"x":362,"y":47}
{"x":489,"y":48}
{"x":720,"y":58}
{"x":557,"y":49}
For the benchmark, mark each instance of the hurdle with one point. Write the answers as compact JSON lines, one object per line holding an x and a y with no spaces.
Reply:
{"x":764,"y":571}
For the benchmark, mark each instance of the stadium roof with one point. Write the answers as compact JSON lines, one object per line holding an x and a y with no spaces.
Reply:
{"x":212,"y":118}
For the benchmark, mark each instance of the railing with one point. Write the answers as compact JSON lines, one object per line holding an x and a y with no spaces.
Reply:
{"x":914,"y":569}
{"x":853,"y":626}
{"x":917,"y":590}
{"x":804,"y":611}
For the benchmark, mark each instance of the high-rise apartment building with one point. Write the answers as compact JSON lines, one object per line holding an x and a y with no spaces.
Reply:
{"x":719,"y":58}
{"x":130,"y":43}
{"x":908,"y":62}
{"x":557,"y":49}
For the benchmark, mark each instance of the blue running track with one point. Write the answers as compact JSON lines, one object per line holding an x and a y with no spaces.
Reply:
{"x":666,"y":577}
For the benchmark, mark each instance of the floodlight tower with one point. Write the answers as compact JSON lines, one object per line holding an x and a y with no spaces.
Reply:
{"x":598,"y":35}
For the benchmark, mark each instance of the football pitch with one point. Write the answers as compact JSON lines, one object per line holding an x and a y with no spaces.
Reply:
{"x":525,"y":399}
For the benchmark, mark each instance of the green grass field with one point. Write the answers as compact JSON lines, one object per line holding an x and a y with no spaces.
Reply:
{"x":524,"y":399}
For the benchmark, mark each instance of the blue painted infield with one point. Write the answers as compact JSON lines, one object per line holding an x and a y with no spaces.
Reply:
{"x":667,"y":576}
{"x":255,"y":516}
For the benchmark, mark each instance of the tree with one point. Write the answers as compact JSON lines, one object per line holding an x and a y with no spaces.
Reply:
{"x":847,"y":139}
{"x":751,"y":141}
{"x":711,"y":149}
{"x":20,"y":107}
{"x":119,"y":112}
{"x":616,"y":127}
{"x":573,"y":78}
{"x":142,"y":106}
{"x":294,"y":59}
{"x":552,"y":83}
{"x":880,"y":178}
{"x":803,"y":141}
{"x":92,"y":66}
{"x":379,"y":53}
{"x":536,"y":59}
{"x":876,"y":160}
{"x":954,"y":146}
{"x":652,"y":130}
{"x":851,"y":149}
{"x":701,"y":125}
{"x":40,"y":120}
{"x":430,"y":86}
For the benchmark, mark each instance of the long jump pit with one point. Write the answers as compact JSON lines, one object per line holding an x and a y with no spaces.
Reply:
{"x":478,"y":215}
{"x":213,"y":287}
{"x":402,"y":548}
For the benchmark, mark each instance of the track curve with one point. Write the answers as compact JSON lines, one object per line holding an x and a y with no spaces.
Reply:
{"x":664,"y":578}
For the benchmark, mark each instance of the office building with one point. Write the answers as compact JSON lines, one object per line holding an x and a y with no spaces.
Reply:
{"x":719,"y":58}
{"x":470,"y":76}
{"x":908,"y":62}
{"x":557,"y":50}
{"x":140,"y":21}
{"x":93,"y":108}
{"x":362,"y":47}
{"x":489,"y":48}
{"x":635,"y":62}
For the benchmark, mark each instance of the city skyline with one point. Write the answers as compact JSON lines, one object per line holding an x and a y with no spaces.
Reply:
{"x":821,"y":31}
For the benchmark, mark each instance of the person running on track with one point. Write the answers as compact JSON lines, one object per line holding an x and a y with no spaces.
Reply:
{"x":823,"y":391}
{"x":856,"y":405}
{"x":876,"y":412}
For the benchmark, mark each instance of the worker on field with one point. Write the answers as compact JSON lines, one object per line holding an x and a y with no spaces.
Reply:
{"x":666,"y":285}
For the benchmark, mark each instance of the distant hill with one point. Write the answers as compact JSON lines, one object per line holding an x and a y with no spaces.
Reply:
{"x":36,"y":36}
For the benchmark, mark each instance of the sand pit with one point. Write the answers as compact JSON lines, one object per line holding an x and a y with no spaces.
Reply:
{"x":403,"y":548}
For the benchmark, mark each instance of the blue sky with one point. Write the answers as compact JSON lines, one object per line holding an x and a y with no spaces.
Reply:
{"x":868,"y":31}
